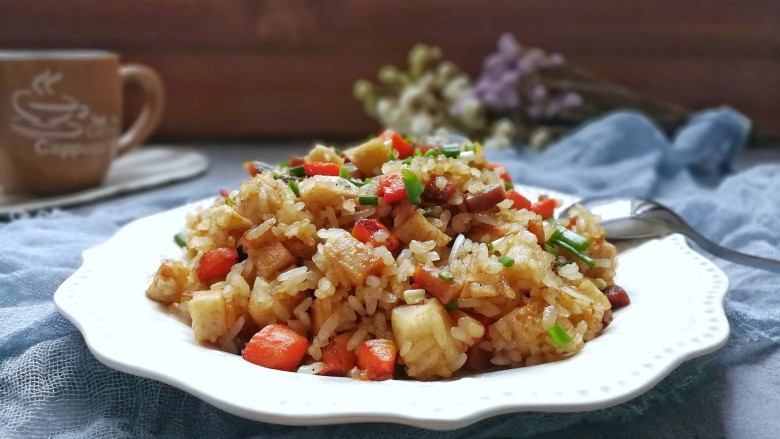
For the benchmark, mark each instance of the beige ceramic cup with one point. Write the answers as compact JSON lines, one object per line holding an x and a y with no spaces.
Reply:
{"x":61,"y":117}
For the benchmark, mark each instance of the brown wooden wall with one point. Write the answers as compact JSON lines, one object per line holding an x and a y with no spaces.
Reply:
{"x":238,"y":68}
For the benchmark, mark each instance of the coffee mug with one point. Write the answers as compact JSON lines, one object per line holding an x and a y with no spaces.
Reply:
{"x":61,"y":117}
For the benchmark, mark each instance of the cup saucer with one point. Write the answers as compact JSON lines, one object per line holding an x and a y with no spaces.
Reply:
{"x":142,"y":169}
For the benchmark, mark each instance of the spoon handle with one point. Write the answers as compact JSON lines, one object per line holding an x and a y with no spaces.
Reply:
{"x":731,"y":255}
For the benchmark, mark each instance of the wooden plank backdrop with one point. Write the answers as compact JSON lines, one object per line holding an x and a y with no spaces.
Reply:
{"x":251,"y":68}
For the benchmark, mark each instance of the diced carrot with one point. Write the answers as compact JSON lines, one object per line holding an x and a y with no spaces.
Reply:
{"x":216,"y":263}
{"x":321,"y":168}
{"x":377,"y":359}
{"x":337,"y":358}
{"x":428,"y":279}
{"x":572,"y":222}
{"x":297,"y":161}
{"x":366,"y":231}
{"x":545,"y":208}
{"x":399,"y":144}
{"x":535,"y":226}
{"x":501,"y":171}
{"x":520,"y":202}
{"x":276,"y":347}
{"x":251,"y":168}
{"x":391,"y":188}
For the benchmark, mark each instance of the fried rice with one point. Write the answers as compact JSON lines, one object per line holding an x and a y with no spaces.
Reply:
{"x":391,"y":259}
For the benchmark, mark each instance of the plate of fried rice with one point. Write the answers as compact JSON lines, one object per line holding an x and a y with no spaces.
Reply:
{"x":394,"y":281}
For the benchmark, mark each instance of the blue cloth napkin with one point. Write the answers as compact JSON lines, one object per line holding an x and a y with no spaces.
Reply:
{"x":50,"y":385}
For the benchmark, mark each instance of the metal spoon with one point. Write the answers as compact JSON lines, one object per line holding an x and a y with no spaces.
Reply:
{"x":631,"y":218}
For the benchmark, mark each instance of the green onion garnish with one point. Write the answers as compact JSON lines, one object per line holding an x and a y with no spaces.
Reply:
{"x":508,"y":186}
{"x":583,"y":257}
{"x":506,"y":261}
{"x":417,"y":152}
{"x":446,"y":275}
{"x":408,"y":160}
{"x":297,"y":171}
{"x":431,"y":153}
{"x":390,"y":156}
{"x":339,"y":151}
{"x":293,"y":185}
{"x":344,"y":172}
{"x":180,"y":240}
{"x":357,"y":182}
{"x":409,"y":139}
{"x":277,"y":175}
{"x":413,"y":186}
{"x":559,"y":336}
{"x":451,"y":150}
{"x":562,"y":234}
{"x":368,"y":200}
{"x":428,"y":213}
{"x":467,"y":156}
{"x":229,"y":198}
{"x":469,"y":147}
{"x":452,"y":305}
{"x":551,"y":249}
{"x":284,"y":164}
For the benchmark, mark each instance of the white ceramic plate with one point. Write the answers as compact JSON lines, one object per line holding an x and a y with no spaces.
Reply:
{"x":676,"y":313}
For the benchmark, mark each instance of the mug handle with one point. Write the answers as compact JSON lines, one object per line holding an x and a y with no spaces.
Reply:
{"x":151,"y":113}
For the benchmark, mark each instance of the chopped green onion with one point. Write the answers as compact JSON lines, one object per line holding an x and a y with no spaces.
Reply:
{"x":431,"y":153}
{"x":417,"y":152}
{"x":508,"y":186}
{"x":414,"y":296}
{"x":551,"y":249}
{"x":451,"y":150}
{"x":390,"y":155}
{"x":339,"y":151}
{"x":357,"y":182}
{"x":574,"y":240}
{"x":467,"y":156}
{"x":277,"y":174}
{"x":409,"y":139}
{"x":284,"y":164}
{"x":446,"y":275}
{"x":559,"y":335}
{"x":506,"y":261}
{"x":469,"y":147}
{"x":297,"y":171}
{"x":229,"y":198}
{"x":583,"y":257}
{"x":408,"y":160}
{"x":492,"y":245}
{"x":368,"y":200}
{"x":344,"y":172}
{"x":428,"y":213}
{"x":413,"y":186}
{"x":180,"y":240}
{"x":452,"y":305}
{"x":293,"y":185}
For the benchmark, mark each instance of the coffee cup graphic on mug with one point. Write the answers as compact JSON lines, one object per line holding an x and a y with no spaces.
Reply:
{"x":61,"y":117}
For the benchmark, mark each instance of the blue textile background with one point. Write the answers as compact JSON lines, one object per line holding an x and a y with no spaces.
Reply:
{"x":50,"y":385}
